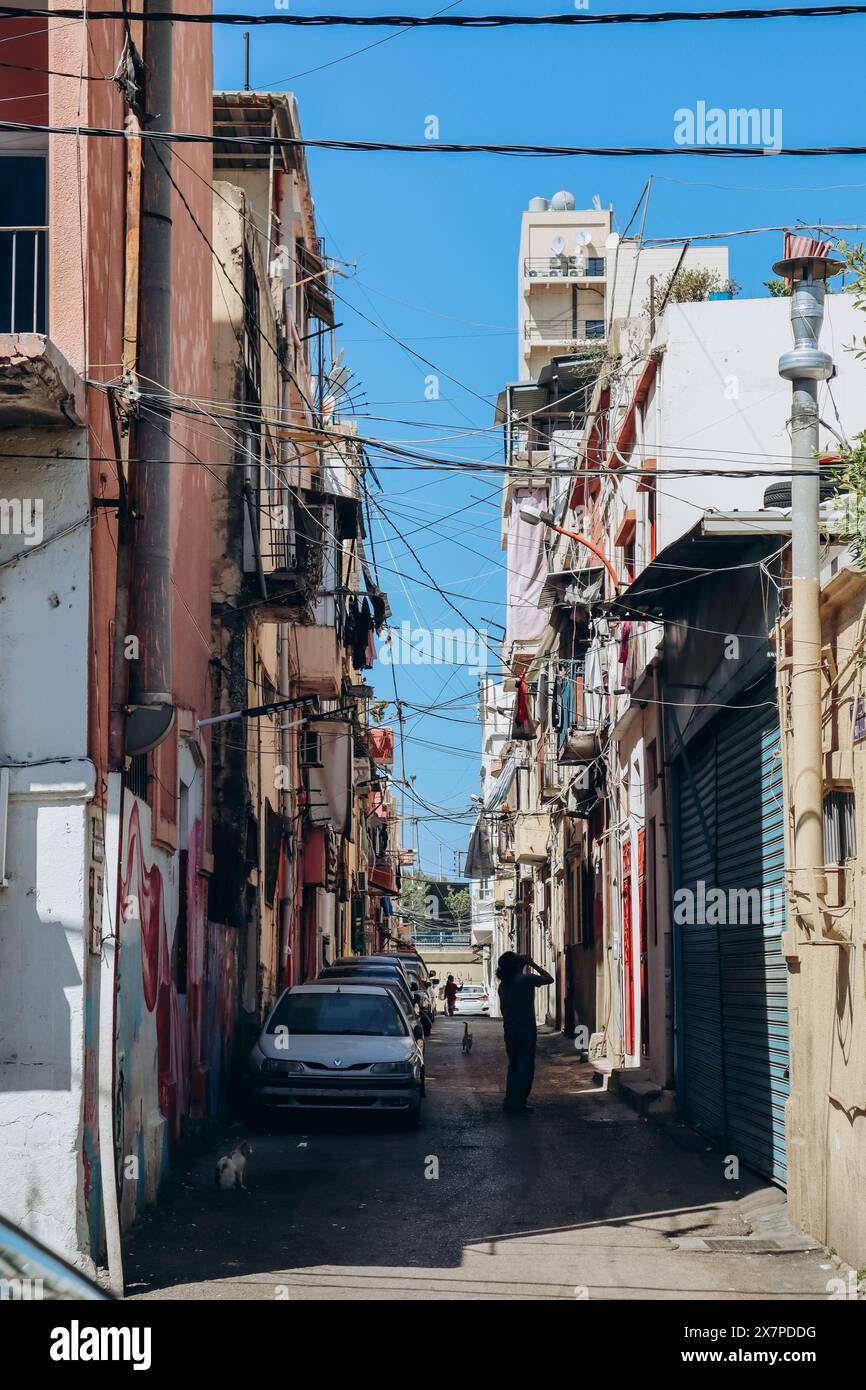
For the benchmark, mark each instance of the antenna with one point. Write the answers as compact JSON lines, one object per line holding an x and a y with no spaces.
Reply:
{"x":596,"y":201}
{"x":246,"y":62}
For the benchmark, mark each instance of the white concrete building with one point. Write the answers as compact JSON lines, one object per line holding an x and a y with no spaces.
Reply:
{"x":577,"y":276}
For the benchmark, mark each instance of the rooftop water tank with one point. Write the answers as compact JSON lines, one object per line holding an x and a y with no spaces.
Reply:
{"x":538,"y":205}
{"x":563,"y":201}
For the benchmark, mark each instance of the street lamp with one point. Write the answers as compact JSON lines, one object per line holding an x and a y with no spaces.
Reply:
{"x":535,"y":516}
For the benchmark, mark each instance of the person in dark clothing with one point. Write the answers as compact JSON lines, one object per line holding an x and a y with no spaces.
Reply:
{"x":517,"y":1001}
{"x":450,"y":992}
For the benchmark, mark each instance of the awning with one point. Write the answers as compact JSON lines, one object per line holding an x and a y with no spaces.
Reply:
{"x":705,"y":549}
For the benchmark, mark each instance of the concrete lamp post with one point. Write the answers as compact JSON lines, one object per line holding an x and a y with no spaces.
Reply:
{"x":535,"y":517}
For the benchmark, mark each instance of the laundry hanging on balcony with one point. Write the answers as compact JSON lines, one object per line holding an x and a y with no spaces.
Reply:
{"x":358,"y":634}
{"x":523,"y":725}
{"x":479,"y":856}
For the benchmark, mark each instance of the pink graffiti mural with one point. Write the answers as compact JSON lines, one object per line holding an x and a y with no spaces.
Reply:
{"x":143,"y":887}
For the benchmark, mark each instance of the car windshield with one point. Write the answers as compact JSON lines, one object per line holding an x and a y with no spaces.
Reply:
{"x":364,"y":1015}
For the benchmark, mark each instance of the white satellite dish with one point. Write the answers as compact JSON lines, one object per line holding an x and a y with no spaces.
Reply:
{"x":612,"y":241}
{"x":557,"y":246}
{"x":582,"y":238}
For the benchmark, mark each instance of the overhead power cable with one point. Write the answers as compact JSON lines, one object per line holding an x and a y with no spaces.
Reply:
{"x":187,"y":137}
{"x":448,"y":21}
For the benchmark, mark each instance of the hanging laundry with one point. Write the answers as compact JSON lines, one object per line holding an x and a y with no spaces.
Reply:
{"x":556,"y":702}
{"x":524,"y":726}
{"x":361,"y":636}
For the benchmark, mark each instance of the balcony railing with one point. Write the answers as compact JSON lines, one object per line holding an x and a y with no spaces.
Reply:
{"x":423,"y":937}
{"x":23,"y":279}
{"x":552,"y":776}
{"x":563,"y":267}
{"x":564,"y":329}
{"x":583,"y":721}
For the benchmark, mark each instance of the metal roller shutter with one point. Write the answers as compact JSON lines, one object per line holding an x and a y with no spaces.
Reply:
{"x":734,"y":986}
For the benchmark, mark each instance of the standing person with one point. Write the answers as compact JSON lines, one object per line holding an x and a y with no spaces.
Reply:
{"x":450,"y":993}
{"x":517,"y":1001}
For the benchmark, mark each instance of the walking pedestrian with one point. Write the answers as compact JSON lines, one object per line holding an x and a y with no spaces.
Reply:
{"x":450,"y":992}
{"x":517,"y":1002}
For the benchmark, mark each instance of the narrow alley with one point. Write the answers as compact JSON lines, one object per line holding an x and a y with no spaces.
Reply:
{"x":582,"y":1199}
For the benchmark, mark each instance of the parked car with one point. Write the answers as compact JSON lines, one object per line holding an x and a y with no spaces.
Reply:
{"x":417,"y":972}
{"x":327,"y":1046}
{"x":391,"y":963}
{"x":401,"y":991}
{"x":472,"y":999}
{"x":387,"y":970}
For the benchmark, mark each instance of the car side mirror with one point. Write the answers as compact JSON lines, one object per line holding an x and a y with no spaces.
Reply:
{"x":434,"y":980}
{"x":418,"y":1032}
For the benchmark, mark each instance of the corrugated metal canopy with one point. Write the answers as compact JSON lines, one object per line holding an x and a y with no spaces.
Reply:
{"x":656,"y":589}
{"x":257,"y":114}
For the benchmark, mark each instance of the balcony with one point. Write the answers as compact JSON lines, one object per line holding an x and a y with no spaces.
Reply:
{"x":531,"y":832}
{"x":23,"y":279}
{"x":319,"y":660}
{"x":382,"y":874}
{"x":552,"y":776}
{"x":564,"y":268}
{"x":580,"y":736}
{"x":563,"y":330}
{"x":280,"y":550}
{"x":38,"y":387}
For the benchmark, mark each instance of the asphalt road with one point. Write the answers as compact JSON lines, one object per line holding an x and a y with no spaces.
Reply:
{"x":582,"y":1199}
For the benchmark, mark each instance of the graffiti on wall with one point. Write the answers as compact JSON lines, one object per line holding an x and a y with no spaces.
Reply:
{"x":160,"y":1056}
{"x":221,"y":996}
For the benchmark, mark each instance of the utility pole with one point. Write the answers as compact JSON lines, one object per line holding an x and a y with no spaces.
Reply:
{"x":150,"y":693}
{"x":804,"y":366}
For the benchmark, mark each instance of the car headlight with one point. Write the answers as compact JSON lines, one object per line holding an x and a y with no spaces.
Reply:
{"x":391,"y":1069}
{"x":273,"y":1064}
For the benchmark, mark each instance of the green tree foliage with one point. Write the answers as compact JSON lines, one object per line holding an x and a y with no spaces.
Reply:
{"x":458,"y":903}
{"x":691,"y":285}
{"x":413,"y":897}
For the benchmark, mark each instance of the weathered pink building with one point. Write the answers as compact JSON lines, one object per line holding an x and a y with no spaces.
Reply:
{"x":116,"y":998}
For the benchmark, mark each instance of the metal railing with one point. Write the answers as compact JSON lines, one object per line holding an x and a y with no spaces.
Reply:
{"x":564,"y":329}
{"x":563,"y":267}
{"x":23,"y":279}
{"x":440,"y":938}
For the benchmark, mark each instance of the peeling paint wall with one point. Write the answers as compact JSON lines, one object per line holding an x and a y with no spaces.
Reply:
{"x":44,"y":909}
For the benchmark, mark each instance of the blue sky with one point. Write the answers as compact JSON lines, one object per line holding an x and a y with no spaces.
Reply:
{"x":435,"y":240}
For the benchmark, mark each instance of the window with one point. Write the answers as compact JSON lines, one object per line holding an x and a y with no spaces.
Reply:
{"x":311,"y":748}
{"x":135,"y":777}
{"x":23,"y":244}
{"x":840,"y":827}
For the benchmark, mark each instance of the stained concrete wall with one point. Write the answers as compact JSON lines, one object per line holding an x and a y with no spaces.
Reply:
{"x":45,"y":959}
{"x":826,"y":1113}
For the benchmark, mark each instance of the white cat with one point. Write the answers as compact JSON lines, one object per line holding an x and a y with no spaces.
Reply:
{"x":229,"y":1171}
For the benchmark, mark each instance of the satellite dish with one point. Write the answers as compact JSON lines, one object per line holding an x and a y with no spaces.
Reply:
{"x":557,"y":246}
{"x":612,"y":241}
{"x":582,"y":238}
